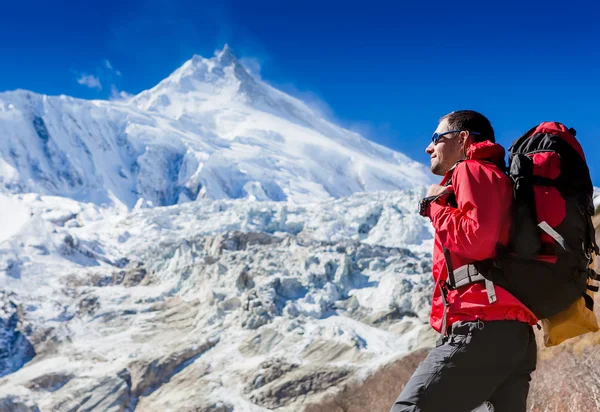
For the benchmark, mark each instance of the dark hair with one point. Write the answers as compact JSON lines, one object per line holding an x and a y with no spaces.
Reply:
{"x":473,"y":122}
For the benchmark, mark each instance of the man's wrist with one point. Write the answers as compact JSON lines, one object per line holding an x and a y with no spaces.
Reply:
{"x":424,"y":204}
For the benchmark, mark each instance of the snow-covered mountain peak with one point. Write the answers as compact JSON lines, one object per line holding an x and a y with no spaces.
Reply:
{"x":223,"y":57}
{"x":209,"y":130}
{"x":226,"y":56}
{"x":211,"y":69}
{"x":201,"y":85}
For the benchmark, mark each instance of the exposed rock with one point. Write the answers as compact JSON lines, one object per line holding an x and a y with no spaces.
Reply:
{"x":109,"y":393}
{"x":297,"y":385}
{"x":237,"y":241}
{"x":147,"y":376}
{"x":216,"y":407}
{"x":385,"y":318}
{"x":15,"y":348}
{"x":323,"y":351}
{"x":88,"y":305}
{"x":244,"y":280}
{"x":128,"y":277}
{"x":50,"y":382}
{"x":14,"y":403}
{"x":259,"y":307}
{"x":289,"y":288}
{"x":269,"y":371}
{"x":185,"y":391}
{"x":261,"y":343}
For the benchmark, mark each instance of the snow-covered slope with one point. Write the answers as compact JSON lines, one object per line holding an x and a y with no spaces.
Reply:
{"x":226,"y":305}
{"x":209,"y":130}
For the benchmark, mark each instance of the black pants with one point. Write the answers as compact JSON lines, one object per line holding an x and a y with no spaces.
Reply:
{"x":476,"y":362}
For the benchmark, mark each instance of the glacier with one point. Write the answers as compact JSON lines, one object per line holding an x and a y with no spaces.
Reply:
{"x":226,"y":303}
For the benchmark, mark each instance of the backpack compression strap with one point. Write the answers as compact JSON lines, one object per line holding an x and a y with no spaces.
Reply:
{"x":467,"y":275}
{"x":554,"y":235}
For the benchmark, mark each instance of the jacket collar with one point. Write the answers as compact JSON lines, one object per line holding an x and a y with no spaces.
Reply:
{"x":486,"y":150}
{"x":482,"y":151}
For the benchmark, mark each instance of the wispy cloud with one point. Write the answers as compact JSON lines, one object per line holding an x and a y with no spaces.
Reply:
{"x":253,"y":65}
{"x":116,"y":94}
{"x":89,"y":80}
{"x":110,"y":69}
{"x":106,"y":77}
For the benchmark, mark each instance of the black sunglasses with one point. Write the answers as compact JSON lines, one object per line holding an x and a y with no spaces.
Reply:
{"x":436,"y":136}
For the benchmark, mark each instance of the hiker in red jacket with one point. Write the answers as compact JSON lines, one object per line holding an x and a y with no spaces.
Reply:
{"x":487,"y":349}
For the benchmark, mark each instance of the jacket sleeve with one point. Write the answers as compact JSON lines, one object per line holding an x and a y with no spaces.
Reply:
{"x":472,"y":230}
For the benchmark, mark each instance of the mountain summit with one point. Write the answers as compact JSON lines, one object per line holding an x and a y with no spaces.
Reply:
{"x":209,"y":130}
{"x":226,"y":56}
{"x":200,"y":84}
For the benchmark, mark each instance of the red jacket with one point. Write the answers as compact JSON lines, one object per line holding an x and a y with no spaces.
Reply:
{"x":471,"y":232}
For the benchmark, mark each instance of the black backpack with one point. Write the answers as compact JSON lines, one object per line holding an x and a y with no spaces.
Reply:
{"x":546,"y":264}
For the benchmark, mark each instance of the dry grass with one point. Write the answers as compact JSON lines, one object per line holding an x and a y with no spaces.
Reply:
{"x":378,"y":392}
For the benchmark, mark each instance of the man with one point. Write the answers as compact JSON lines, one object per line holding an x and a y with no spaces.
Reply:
{"x":487,"y":348}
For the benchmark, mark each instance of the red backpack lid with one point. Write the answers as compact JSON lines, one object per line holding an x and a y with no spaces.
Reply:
{"x":560,"y":130}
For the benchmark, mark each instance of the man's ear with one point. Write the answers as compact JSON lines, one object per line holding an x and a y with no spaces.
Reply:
{"x":463,"y":137}
{"x":465,"y":141}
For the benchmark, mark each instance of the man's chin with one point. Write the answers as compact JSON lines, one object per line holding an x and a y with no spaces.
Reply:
{"x":437,"y":169}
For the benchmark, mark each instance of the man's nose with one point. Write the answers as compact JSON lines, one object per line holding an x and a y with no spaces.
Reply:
{"x":429,"y":149}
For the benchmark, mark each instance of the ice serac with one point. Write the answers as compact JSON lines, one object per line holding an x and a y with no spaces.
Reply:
{"x":209,"y":130}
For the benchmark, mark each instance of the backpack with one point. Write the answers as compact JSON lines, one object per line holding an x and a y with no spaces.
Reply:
{"x":547,"y":262}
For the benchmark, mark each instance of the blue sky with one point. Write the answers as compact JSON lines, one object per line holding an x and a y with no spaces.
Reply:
{"x":387,"y":69}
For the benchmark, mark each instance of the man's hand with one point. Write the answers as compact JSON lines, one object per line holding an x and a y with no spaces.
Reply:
{"x":436,"y":190}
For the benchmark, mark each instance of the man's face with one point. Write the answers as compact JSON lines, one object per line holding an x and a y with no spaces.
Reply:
{"x":446,"y":152}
